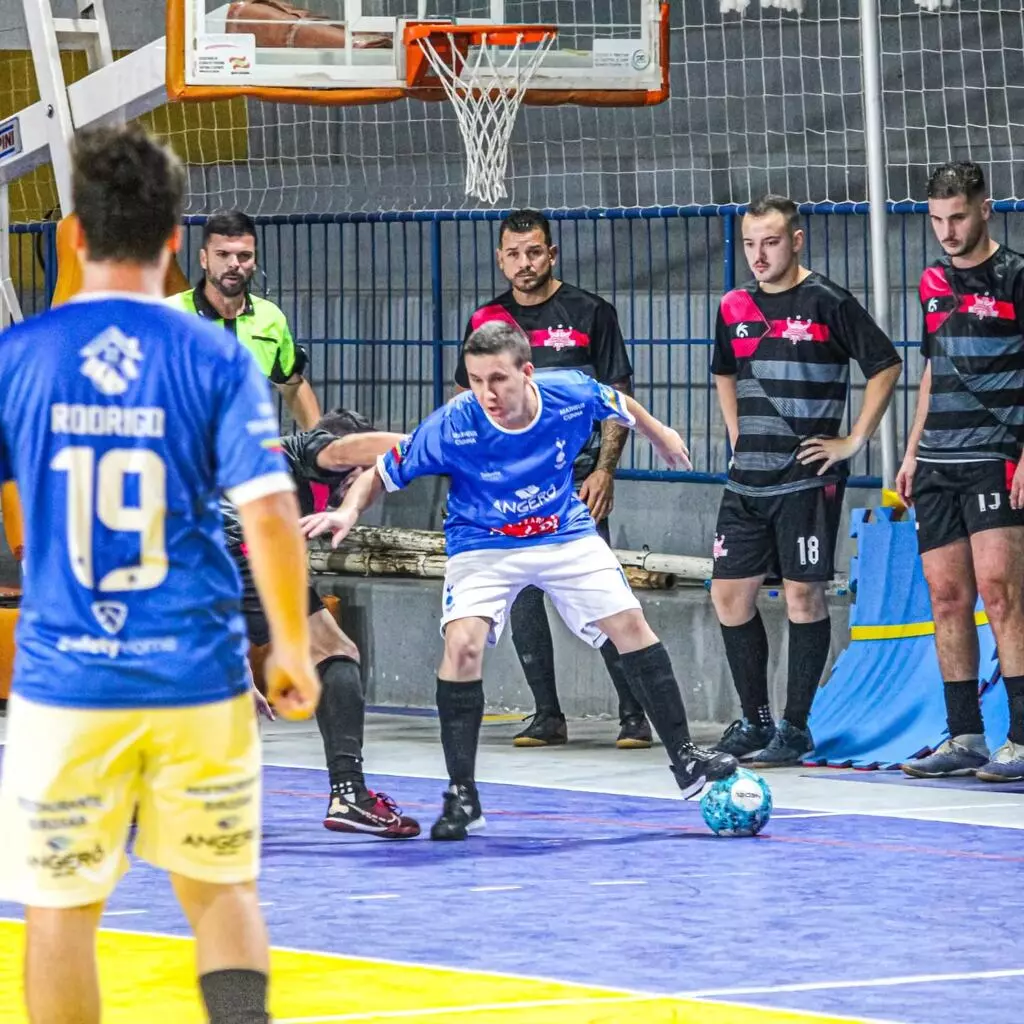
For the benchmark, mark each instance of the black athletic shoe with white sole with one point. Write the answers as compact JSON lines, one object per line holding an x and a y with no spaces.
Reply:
{"x":697,"y":767}
{"x":374,"y":814}
{"x":461,"y":815}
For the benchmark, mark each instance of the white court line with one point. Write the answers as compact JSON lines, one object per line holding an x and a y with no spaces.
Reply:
{"x":494,"y":888}
{"x":885,"y":812}
{"x":624,"y":881}
{"x":378,"y":896}
{"x":829,"y":986}
{"x":123,"y":913}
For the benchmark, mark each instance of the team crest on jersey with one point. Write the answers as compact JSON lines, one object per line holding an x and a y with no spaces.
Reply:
{"x":111,"y":615}
{"x":797,"y":330}
{"x":983,"y":307}
{"x":559,"y":337}
{"x":111,"y":361}
{"x":560,"y":457}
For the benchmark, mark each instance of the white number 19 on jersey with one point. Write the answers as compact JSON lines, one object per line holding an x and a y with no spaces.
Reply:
{"x":96,"y":491}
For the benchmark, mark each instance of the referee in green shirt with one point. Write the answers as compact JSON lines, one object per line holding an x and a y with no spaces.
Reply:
{"x":228,"y":259}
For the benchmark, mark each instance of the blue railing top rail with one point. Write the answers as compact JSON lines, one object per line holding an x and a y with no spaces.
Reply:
{"x":587,"y":213}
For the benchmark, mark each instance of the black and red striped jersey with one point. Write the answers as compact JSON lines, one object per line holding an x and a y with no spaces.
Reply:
{"x":790,"y":353}
{"x":974,"y":340}
{"x":571,"y":330}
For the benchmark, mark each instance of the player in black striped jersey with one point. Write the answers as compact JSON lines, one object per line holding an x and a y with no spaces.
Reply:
{"x":783,"y":347}
{"x":963,"y":470}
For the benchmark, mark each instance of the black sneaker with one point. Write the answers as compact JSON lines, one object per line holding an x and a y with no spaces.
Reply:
{"x":744,"y":738}
{"x":546,"y":729}
{"x":372,"y":813}
{"x":699,"y":767}
{"x":461,"y":815}
{"x":635,"y":733}
{"x":789,"y":746}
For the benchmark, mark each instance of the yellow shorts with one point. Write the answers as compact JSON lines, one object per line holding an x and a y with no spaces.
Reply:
{"x":73,"y":777}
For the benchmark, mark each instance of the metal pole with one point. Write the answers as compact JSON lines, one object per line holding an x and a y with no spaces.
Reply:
{"x":871,"y":76}
{"x":10,"y":308}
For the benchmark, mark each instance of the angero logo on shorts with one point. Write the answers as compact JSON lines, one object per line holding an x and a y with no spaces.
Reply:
{"x":62,"y":861}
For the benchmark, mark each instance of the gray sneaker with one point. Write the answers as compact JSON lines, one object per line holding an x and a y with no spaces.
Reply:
{"x":1007,"y":764}
{"x":960,"y":755}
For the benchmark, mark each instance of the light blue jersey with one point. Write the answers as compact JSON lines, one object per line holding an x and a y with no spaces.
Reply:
{"x":122,"y":422}
{"x":509,"y":487}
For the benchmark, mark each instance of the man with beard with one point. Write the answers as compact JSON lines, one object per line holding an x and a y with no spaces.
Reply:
{"x":568,"y":328}
{"x":783,"y":347}
{"x":228,"y":259}
{"x":963,"y":470}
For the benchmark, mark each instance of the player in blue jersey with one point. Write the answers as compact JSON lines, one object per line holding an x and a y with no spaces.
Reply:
{"x":122,"y":422}
{"x":514,"y":520}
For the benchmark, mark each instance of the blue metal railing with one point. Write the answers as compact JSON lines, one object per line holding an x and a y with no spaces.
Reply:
{"x":380,"y":301}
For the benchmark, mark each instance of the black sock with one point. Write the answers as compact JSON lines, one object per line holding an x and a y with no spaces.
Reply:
{"x":460,"y":707}
{"x":808,"y":653}
{"x":650,"y":676}
{"x":629,"y":706}
{"x":963,"y":710}
{"x":746,"y":650}
{"x":340,"y":715}
{"x":531,"y":636}
{"x":1015,"y":695}
{"x":235,"y":996}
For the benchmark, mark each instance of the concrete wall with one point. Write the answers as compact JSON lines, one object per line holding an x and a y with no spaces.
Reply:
{"x":395,"y":623}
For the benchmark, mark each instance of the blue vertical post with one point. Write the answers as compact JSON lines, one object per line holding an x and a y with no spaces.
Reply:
{"x":49,"y":262}
{"x":438,"y":312}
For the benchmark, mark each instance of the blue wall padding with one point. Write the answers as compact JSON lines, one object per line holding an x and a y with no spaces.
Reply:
{"x":883,"y":702}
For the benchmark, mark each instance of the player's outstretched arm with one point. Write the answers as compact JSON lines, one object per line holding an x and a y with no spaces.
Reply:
{"x":357,"y":449}
{"x":277,"y":557}
{"x":667,"y":442}
{"x":361,"y":495}
{"x":828,"y":451}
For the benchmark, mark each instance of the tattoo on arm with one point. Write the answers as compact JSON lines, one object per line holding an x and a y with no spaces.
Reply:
{"x":613,"y":436}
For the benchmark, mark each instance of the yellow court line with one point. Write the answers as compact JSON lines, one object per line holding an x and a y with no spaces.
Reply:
{"x":904,"y":630}
{"x":149,"y":977}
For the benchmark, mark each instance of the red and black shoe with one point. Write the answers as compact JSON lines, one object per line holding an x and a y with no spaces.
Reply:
{"x":374,"y":814}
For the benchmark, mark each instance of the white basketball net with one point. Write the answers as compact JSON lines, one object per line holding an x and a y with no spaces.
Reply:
{"x":486,"y":88}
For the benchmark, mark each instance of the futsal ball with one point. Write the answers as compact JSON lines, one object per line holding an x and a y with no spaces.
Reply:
{"x":737,"y":806}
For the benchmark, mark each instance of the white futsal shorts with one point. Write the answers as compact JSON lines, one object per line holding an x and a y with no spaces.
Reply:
{"x":582,"y":577}
{"x":74,"y":777}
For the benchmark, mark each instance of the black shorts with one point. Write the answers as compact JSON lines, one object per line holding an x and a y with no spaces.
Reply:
{"x":792,"y":536}
{"x":256,"y":619}
{"x":955,"y":500}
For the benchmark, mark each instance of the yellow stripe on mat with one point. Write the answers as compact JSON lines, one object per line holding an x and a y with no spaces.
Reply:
{"x":146,"y":977}
{"x":904,"y":630}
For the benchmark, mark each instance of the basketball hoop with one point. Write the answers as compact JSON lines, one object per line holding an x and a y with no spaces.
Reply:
{"x":484,"y":71}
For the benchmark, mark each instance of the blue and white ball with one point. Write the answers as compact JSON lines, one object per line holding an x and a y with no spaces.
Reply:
{"x":737,"y":806}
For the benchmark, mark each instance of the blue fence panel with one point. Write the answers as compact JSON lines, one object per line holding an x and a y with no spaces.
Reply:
{"x":34,"y":265}
{"x":380,"y":301}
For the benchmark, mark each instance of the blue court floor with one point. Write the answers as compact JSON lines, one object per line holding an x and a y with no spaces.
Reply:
{"x":624,"y":901}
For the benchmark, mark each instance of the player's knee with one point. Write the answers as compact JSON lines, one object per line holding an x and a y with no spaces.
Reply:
{"x":464,"y":652}
{"x":1002,"y":601}
{"x":734,"y":605}
{"x":805,"y":602}
{"x":950,"y":597}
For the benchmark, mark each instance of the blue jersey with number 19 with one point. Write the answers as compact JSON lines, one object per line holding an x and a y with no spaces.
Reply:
{"x":122,"y":422}
{"x":509,"y":487}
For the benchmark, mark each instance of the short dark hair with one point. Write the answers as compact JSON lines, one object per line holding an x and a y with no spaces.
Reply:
{"x":772,"y":203}
{"x":521,"y":221}
{"x":498,"y":336}
{"x":957,"y":178}
{"x":129,"y":193}
{"x":230,"y":224}
{"x":343,"y":421}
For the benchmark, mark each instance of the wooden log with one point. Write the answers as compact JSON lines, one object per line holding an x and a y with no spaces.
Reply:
{"x":642,"y":579}
{"x":363,"y":562}
{"x":378,"y":538}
